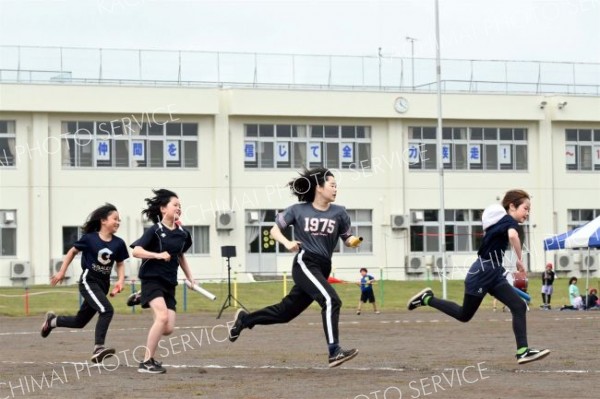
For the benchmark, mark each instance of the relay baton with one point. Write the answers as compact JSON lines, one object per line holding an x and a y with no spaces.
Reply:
{"x":200,"y":290}
{"x":523,"y":294}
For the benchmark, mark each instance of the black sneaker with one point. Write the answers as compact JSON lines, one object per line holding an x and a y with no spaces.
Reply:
{"x":134,"y":299}
{"x":46,"y":327}
{"x":151,"y":366}
{"x":342,"y":356}
{"x":418,"y":300}
{"x":236,"y":329}
{"x":531,"y":355}
{"x":101,"y":353}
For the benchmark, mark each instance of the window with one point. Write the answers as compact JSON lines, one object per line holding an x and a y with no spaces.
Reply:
{"x":8,"y":232}
{"x":578,"y":217}
{"x":7,"y":143}
{"x":463,"y":230}
{"x":362,"y":226}
{"x":122,"y":143}
{"x":468,"y":148}
{"x":200,"y":240}
{"x":70,"y":234}
{"x":258,"y":236}
{"x":582,"y":149}
{"x":296,"y":146}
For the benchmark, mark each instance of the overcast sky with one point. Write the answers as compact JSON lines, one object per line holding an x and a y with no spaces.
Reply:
{"x":554,"y":30}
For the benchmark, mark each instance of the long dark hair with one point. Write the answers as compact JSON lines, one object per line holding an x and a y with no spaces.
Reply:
{"x":161,"y":198}
{"x":572,"y":279}
{"x":305,"y":186}
{"x":93,"y":222}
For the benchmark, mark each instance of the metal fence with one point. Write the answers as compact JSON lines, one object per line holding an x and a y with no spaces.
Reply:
{"x":74,"y":65}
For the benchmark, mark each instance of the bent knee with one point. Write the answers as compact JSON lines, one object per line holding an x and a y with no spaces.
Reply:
{"x":465,"y":318}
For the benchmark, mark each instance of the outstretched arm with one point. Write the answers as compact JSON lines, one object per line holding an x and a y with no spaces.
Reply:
{"x":60,"y":275}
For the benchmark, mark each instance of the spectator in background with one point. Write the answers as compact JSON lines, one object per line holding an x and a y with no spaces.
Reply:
{"x":547,"y":288}
{"x":574,"y":296}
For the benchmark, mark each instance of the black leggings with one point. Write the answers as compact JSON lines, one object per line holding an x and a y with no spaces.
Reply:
{"x":94,"y":301}
{"x":505,"y":294}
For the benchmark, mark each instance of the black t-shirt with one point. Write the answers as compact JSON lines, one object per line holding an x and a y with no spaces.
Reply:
{"x":548,"y":277}
{"x":160,"y":239}
{"x":495,"y":240}
{"x":99,"y":256}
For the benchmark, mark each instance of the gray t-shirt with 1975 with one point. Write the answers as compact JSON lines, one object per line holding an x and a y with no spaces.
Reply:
{"x":318,"y":231}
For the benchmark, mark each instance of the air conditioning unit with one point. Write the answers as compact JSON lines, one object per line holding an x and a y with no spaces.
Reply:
{"x":20,"y":270}
{"x":55,"y":265}
{"x":589,"y":261}
{"x":565,"y":262}
{"x":225,"y":220}
{"x":415,"y":264}
{"x":399,"y":222}
{"x":253,"y":216}
{"x":438,"y":265}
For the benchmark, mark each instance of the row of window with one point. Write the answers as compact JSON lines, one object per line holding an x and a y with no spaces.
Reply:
{"x":297,"y":146}
{"x":582,"y":149}
{"x":468,"y":148}
{"x":130,"y":144}
{"x":123,"y":144}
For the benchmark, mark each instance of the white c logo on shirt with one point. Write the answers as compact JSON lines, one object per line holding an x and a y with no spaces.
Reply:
{"x":104,"y":256}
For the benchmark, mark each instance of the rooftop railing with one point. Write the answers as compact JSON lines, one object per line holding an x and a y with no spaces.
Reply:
{"x":75,"y":65}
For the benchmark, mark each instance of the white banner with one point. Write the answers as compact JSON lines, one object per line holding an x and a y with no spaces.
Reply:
{"x":474,"y":153}
{"x":314,"y":152}
{"x":504,"y":154}
{"x":103,"y":150}
{"x":347,"y":152}
{"x":172,"y":150}
{"x":446,"y":156}
{"x":138,"y":150}
{"x":414,"y":153}
{"x":596,"y":154}
{"x":283,"y":151}
{"x":571,"y":154}
{"x":250,"y":151}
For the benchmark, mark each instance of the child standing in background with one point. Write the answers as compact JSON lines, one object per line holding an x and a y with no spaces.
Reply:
{"x":100,"y":249}
{"x":547,"y":288}
{"x":366,"y":291}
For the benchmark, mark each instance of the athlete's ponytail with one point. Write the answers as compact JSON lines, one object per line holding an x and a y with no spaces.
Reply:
{"x":305,"y":186}
{"x":161,"y":198}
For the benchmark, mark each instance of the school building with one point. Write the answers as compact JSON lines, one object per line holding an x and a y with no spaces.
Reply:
{"x":68,"y":146}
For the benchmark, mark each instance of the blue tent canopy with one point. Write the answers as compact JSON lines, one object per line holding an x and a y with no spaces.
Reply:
{"x":586,"y":236}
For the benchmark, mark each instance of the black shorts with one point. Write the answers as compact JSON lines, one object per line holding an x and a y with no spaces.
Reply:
{"x":367,"y":296}
{"x":482,"y":277}
{"x":156,"y":289}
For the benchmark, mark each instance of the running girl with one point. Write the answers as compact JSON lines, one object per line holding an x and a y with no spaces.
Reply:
{"x":100,"y":249}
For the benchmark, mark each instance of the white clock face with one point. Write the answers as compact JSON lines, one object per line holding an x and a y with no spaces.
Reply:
{"x":401,"y":105}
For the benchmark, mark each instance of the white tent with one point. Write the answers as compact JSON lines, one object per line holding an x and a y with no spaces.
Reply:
{"x":586,"y":236}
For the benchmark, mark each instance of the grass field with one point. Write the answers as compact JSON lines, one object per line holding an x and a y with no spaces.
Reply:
{"x":65,"y":299}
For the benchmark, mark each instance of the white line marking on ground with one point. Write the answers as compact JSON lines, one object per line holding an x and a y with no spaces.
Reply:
{"x":275,"y":367}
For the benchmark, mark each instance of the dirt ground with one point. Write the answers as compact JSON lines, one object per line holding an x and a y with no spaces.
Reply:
{"x":402,"y":355}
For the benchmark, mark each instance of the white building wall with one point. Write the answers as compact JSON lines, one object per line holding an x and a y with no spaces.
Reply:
{"x":48,"y":196}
